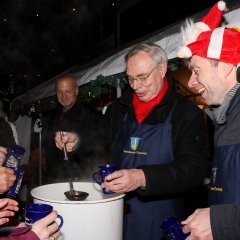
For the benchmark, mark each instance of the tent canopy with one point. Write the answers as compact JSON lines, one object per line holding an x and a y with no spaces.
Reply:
{"x":113,"y":63}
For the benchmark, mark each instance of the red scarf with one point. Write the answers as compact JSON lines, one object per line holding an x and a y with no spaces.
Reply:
{"x":142,"y":109}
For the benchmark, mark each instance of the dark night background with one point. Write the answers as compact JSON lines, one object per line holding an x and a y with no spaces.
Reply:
{"x":39,"y":39}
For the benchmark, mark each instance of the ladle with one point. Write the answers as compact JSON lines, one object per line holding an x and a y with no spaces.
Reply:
{"x":72,"y":195}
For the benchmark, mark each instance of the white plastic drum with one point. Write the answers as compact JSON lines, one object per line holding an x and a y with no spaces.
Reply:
{"x":99,"y":217}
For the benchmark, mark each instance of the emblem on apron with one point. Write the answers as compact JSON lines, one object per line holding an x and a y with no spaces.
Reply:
{"x":214,"y":174}
{"x":134,"y":143}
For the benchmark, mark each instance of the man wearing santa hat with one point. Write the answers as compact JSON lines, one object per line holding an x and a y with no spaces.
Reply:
{"x":213,"y":56}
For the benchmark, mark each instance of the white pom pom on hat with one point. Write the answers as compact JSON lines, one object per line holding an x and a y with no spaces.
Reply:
{"x":221,"y":5}
{"x":184,"y":52}
{"x":213,"y":18}
{"x":208,"y":23}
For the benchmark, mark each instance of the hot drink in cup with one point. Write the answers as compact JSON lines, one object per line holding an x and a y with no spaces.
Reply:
{"x":103,"y":171}
{"x":37,"y":211}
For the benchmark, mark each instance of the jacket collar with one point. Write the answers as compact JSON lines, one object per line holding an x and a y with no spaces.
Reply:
{"x":160,"y":112}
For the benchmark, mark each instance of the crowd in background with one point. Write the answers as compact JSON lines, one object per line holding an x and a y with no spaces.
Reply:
{"x":155,"y":137}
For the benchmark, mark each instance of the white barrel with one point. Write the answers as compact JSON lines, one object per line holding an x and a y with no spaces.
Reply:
{"x":99,"y":217}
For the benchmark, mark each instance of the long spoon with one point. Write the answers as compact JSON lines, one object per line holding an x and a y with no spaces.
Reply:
{"x":72,"y":191}
{"x":72,"y":194}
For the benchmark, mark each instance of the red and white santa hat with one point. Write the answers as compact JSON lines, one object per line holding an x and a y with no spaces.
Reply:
{"x":219,"y":43}
{"x":190,"y":31}
{"x":213,"y":18}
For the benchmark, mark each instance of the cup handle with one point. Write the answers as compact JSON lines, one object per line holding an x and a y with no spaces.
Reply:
{"x":95,"y":177}
{"x":61,"y":221}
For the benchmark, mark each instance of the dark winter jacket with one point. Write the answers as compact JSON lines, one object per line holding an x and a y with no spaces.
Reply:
{"x":224,"y":184}
{"x":86,"y":122}
{"x":6,"y":134}
{"x":225,"y":221}
{"x":189,"y":167}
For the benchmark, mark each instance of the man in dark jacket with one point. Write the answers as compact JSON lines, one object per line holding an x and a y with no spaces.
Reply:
{"x":219,"y":222}
{"x":157,"y":142}
{"x":214,"y":58}
{"x":75,"y":116}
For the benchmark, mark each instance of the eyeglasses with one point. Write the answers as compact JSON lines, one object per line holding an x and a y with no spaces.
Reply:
{"x":141,"y":78}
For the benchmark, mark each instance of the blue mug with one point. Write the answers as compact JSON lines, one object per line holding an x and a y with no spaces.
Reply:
{"x":14,"y":190}
{"x":103,"y":171}
{"x":172,"y":229}
{"x":37,"y":211}
{"x":14,"y":156}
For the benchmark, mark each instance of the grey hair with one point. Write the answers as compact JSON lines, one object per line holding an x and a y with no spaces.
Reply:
{"x":157,"y":54}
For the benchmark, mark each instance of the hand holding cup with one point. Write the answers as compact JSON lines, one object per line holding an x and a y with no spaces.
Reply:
{"x":100,"y":176}
{"x":7,"y":208}
{"x":172,"y":229}
{"x":37,"y":211}
{"x":47,"y":228}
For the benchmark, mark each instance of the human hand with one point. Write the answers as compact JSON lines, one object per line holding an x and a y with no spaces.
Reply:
{"x":124,"y":180}
{"x":7,"y":208}
{"x":46,"y":228}
{"x":198,"y":225}
{"x":3,"y":152}
{"x":7,"y":179}
{"x":70,"y":139}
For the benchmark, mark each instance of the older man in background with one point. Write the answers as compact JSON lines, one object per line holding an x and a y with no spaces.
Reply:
{"x":73,"y":115}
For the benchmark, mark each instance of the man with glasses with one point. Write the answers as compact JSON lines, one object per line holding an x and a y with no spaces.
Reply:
{"x":157,"y":143}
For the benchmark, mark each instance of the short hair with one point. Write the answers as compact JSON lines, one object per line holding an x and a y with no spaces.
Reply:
{"x":157,"y":54}
{"x":64,"y":76}
{"x":213,"y":62}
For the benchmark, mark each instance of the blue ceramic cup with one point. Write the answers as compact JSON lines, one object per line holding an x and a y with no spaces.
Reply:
{"x":14,"y":156}
{"x":172,"y":229}
{"x":37,"y":211}
{"x":103,"y":171}
{"x":14,"y":190}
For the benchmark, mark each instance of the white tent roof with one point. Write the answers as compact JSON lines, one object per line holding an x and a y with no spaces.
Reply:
{"x":167,"y":38}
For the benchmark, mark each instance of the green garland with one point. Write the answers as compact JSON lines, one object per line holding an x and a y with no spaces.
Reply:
{"x":88,"y":92}
{"x":102,"y":86}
